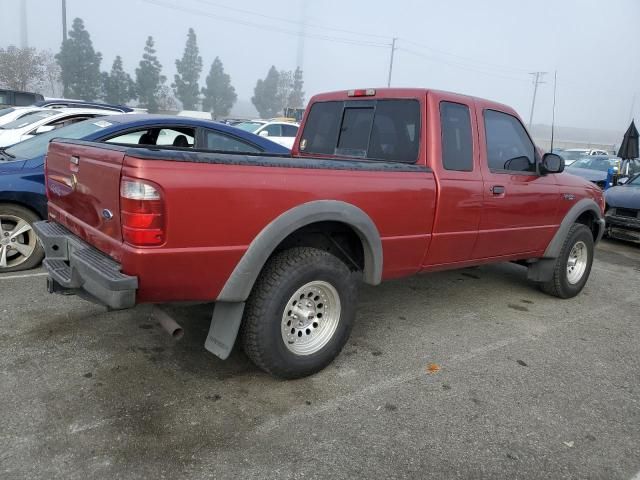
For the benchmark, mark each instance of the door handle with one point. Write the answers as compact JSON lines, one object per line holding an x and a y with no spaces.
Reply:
{"x":497,"y":189}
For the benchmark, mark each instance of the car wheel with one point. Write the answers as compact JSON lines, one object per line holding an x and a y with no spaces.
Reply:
{"x":300,"y":312}
{"x":19,"y":246}
{"x":573,"y":265}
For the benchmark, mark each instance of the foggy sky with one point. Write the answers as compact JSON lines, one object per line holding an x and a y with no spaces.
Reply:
{"x":478,"y":48}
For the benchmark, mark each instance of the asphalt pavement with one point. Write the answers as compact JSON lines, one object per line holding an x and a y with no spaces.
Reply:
{"x":468,"y":374}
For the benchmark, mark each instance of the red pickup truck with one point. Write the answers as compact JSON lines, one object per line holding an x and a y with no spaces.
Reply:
{"x":381,"y":184}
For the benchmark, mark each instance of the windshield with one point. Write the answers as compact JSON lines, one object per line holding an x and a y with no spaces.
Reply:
{"x":37,"y":146}
{"x":29,"y":119}
{"x":634,"y":182}
{"x":594,"y":163}
{"x":249,"y":126}
{"x":4,"y":111}
{"x":575,"y":155}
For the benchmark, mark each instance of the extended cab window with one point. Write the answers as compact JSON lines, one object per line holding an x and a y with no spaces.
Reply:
{"x":385,"y":130}
{"x":457,"y":143}
{"x":509,"y":148}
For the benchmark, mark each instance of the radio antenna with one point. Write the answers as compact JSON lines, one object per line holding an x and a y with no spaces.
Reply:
{"x":553,"y":113}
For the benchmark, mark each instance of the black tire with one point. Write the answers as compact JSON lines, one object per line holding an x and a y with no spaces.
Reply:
{"x":9,"y":212}
{"x":283,"y":275}
{"x":559,"y":285}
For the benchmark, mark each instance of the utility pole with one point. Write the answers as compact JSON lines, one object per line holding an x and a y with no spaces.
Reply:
{"x":64,"y":20}
{"x":393,"y":50}
{"x":301,"y":33}
{"x":24,"y":39}
{"x":537,"y":80}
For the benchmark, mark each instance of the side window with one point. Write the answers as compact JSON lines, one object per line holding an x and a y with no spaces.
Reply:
{"x":289,"y":130}
{"x":273,"y":130}
{"x":457,"y":142}
{"x":175,"y":138}
{"x":24,"y":99}
{"x":509,"y":148}
{"x":225,"y":143}
{"x":131,"y":138}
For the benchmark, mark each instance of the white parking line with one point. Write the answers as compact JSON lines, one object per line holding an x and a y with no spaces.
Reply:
{"x":27,"y":275}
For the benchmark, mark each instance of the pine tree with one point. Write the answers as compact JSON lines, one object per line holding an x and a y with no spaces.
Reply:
{"x":149,"y":80}
{"x":296,"y":97}
{"x":189,"y":68}
{"x":79,"y":64}
{"x":219,"y":94}
{"x":265,"y":95}
{"x":117,"y":86}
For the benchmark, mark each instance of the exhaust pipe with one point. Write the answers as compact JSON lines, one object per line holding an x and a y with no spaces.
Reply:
{"x":169,"y":324}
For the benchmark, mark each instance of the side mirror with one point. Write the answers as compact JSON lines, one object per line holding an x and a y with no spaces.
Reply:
{"x":44,"y":129}
{"x":551,"y":163}
{"x":264,"y":133}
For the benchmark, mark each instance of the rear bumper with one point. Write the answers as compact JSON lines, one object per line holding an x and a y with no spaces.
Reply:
{"x":74,"y":266}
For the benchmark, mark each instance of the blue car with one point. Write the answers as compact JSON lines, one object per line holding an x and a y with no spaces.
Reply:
{"x":623,"y":210}
{"x":22,"y":192}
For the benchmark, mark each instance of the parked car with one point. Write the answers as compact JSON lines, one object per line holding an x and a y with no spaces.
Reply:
{"x":10,"y":114}
{"x":66,"y":103}
{"x":622,"y":213}
{"x":42,"y":121}
{"x":570,"y":155}
{"x":594,"y":168}
{"x":283,"y":133}
{"x":18,"y":98}
{"x":281,"y":243}
{"x":22,"y":192}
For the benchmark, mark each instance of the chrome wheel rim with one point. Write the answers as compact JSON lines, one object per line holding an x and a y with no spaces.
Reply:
{"x":310,"y":318}
{"x":577,"y":262}
{"x":17,"y":241}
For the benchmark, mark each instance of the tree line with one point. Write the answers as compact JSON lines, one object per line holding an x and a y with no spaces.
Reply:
{"x":77,"y":68}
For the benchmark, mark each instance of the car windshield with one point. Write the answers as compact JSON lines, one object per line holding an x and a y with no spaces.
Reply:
{"x":249,"y":126}
{"x":29,"y":119}
{"x":4,"y":111}
{"x":572,"y":155}
{"x":37,"y":145}
{"x":595,"y":163}
{"x":634,"y":182}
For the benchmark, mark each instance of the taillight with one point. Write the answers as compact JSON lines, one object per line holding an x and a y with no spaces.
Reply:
{"x":141,"y":213}
{"x":363,"y":92}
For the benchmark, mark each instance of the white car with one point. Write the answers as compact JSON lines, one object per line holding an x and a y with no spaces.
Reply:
{"x":10,"y":114}
{"x":43,"y":120}
{"x":283,"y":133}
{"x":572,"y":154}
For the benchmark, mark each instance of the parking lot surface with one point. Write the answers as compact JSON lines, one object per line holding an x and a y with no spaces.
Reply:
{"x":463,"y":374}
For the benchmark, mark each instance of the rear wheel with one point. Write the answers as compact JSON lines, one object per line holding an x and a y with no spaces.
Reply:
{"x":19,"y":246}
{"x":300,"y":312}
{"x":573,"y":265}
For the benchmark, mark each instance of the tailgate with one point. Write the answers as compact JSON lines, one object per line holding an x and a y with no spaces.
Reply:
{"x":83,"y":186}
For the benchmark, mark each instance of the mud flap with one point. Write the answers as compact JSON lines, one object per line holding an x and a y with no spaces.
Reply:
{"x":223,"y":331}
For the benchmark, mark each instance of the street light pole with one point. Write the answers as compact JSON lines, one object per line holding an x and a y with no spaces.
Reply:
{"x":64,"y":20}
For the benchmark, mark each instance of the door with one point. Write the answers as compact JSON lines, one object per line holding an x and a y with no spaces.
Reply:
{"x":455,"y":158}
{"x":519,"y":208}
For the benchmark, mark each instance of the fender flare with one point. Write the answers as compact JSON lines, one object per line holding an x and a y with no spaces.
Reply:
{"x":239,"y":284}
{"x":542,"y":270}
{"x":584,"y":205}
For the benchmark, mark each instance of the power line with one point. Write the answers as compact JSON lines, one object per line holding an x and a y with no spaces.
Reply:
{"x":460,"y":66}
{"x":468,"y":59}
{"x":537,"y":80}
{"x":270,"y":28}
{"x":288,"y":20}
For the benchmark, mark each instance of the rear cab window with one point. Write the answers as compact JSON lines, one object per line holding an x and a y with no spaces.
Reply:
{"x":383,"y":130}
{"x":456,"y":137}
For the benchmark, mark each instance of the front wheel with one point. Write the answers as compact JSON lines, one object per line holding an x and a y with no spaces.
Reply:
{"x":300,"y":312}
{"x":19,"y":246}
{"x":573,"y":265}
